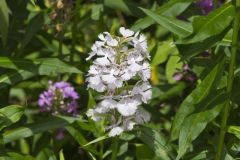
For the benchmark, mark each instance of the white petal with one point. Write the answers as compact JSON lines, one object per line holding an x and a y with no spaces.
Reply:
{"x":112,"y":42}
{"x":108,"y":78}
{"x":102,"y":61}
{"x":93,"y":115}
{"x":134,"y":67}
{"x":130,"y":125}
{"x":93,"y":70}
{"x":142,"y":116}
{"x":115,"y":131}
{"x":126,"y":32}
{"x":127,"y":107}
{"x":101,"y":37}
{"x":99,"y":43}
{"x":109,"y":103}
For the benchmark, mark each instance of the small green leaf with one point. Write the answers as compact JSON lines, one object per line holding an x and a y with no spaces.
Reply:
{"x":96,"y":140}
{"x":61,"y":155}
{"x":234,"y":130}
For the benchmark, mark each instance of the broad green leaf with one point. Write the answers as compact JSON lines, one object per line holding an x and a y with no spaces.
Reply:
{"x":156,"y":142}
{"x":178,"y":27}
{"x":171,"y":8}
{"x":192,"y":100}
{"x":33,"y":27}
{"x":46,"y":154}
{"x":42,"y":66}
{"x":173,"y":64}
{"x":213,"y":24}
{"x":163,"y":51}
{"x":194,"y":124}
{"x":187,"y":51}
{"x":127,"y":7}
{"x":16,"y":156}
{"x":206,"y":153}
{"x":78,"y":136}
{"x":234,"y":130}
{"x":143,"y":152}
{"x":96,"y":11}
{"x":4,"y":20}
{"x":37,"y":127}
{"x":28,"y":68}
{"x":10,"y":114}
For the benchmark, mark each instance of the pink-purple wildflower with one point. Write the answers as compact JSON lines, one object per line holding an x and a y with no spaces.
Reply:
{"x":59,"y":98}
{"x":185,"y":74}
{"x":206,"y":5}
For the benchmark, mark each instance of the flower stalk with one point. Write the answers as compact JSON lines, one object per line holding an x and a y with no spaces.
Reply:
{"x":114,"y":148}
{"x":227,"y":108}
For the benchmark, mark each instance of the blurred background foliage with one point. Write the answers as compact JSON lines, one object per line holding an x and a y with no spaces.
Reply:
{"x":44,"y":40}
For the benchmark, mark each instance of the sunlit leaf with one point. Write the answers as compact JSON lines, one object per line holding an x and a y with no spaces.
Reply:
{"x":10,"y":114}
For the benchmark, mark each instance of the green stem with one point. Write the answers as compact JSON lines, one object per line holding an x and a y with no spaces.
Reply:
{"x":60,"y":54}
{"x":74,"y":30}
{"x":114,"y":148}
{"x":215,"y":4}
{"x":227,"y":108}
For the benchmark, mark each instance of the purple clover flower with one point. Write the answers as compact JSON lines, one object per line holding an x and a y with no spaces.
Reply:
{"x":206,"y":6}
{"x":60,"y":98}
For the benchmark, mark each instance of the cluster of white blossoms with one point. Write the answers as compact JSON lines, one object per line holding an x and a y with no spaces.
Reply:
{"x":121,"y":72}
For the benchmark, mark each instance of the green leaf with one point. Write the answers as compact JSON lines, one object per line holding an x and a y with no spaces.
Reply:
{"x":96,"y":140}
{"x":91,"y":100}
{"x":10,"y":114}
{"x":127,"y":7}
{"x":33,"y":27}
{"x":61,"y":155}
{"x":234,"y":130}
{"x":178,"y":27}
{"x":194,"y":124}
{"x":163,"y":51}
{"x":4,"y":19}
{"x":156,"y":142}
{"x":172,"y":9}
{"x":37,"y":127}
{"x":96,"y":11}
{"x":28,"y":68}
{"x":187,"y":51}
{"x":213,"y":24}
{"x":78,"y":136}
{"x":16,"y":156}
{"x":173,"y":64}
{"x":191,"y":101}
